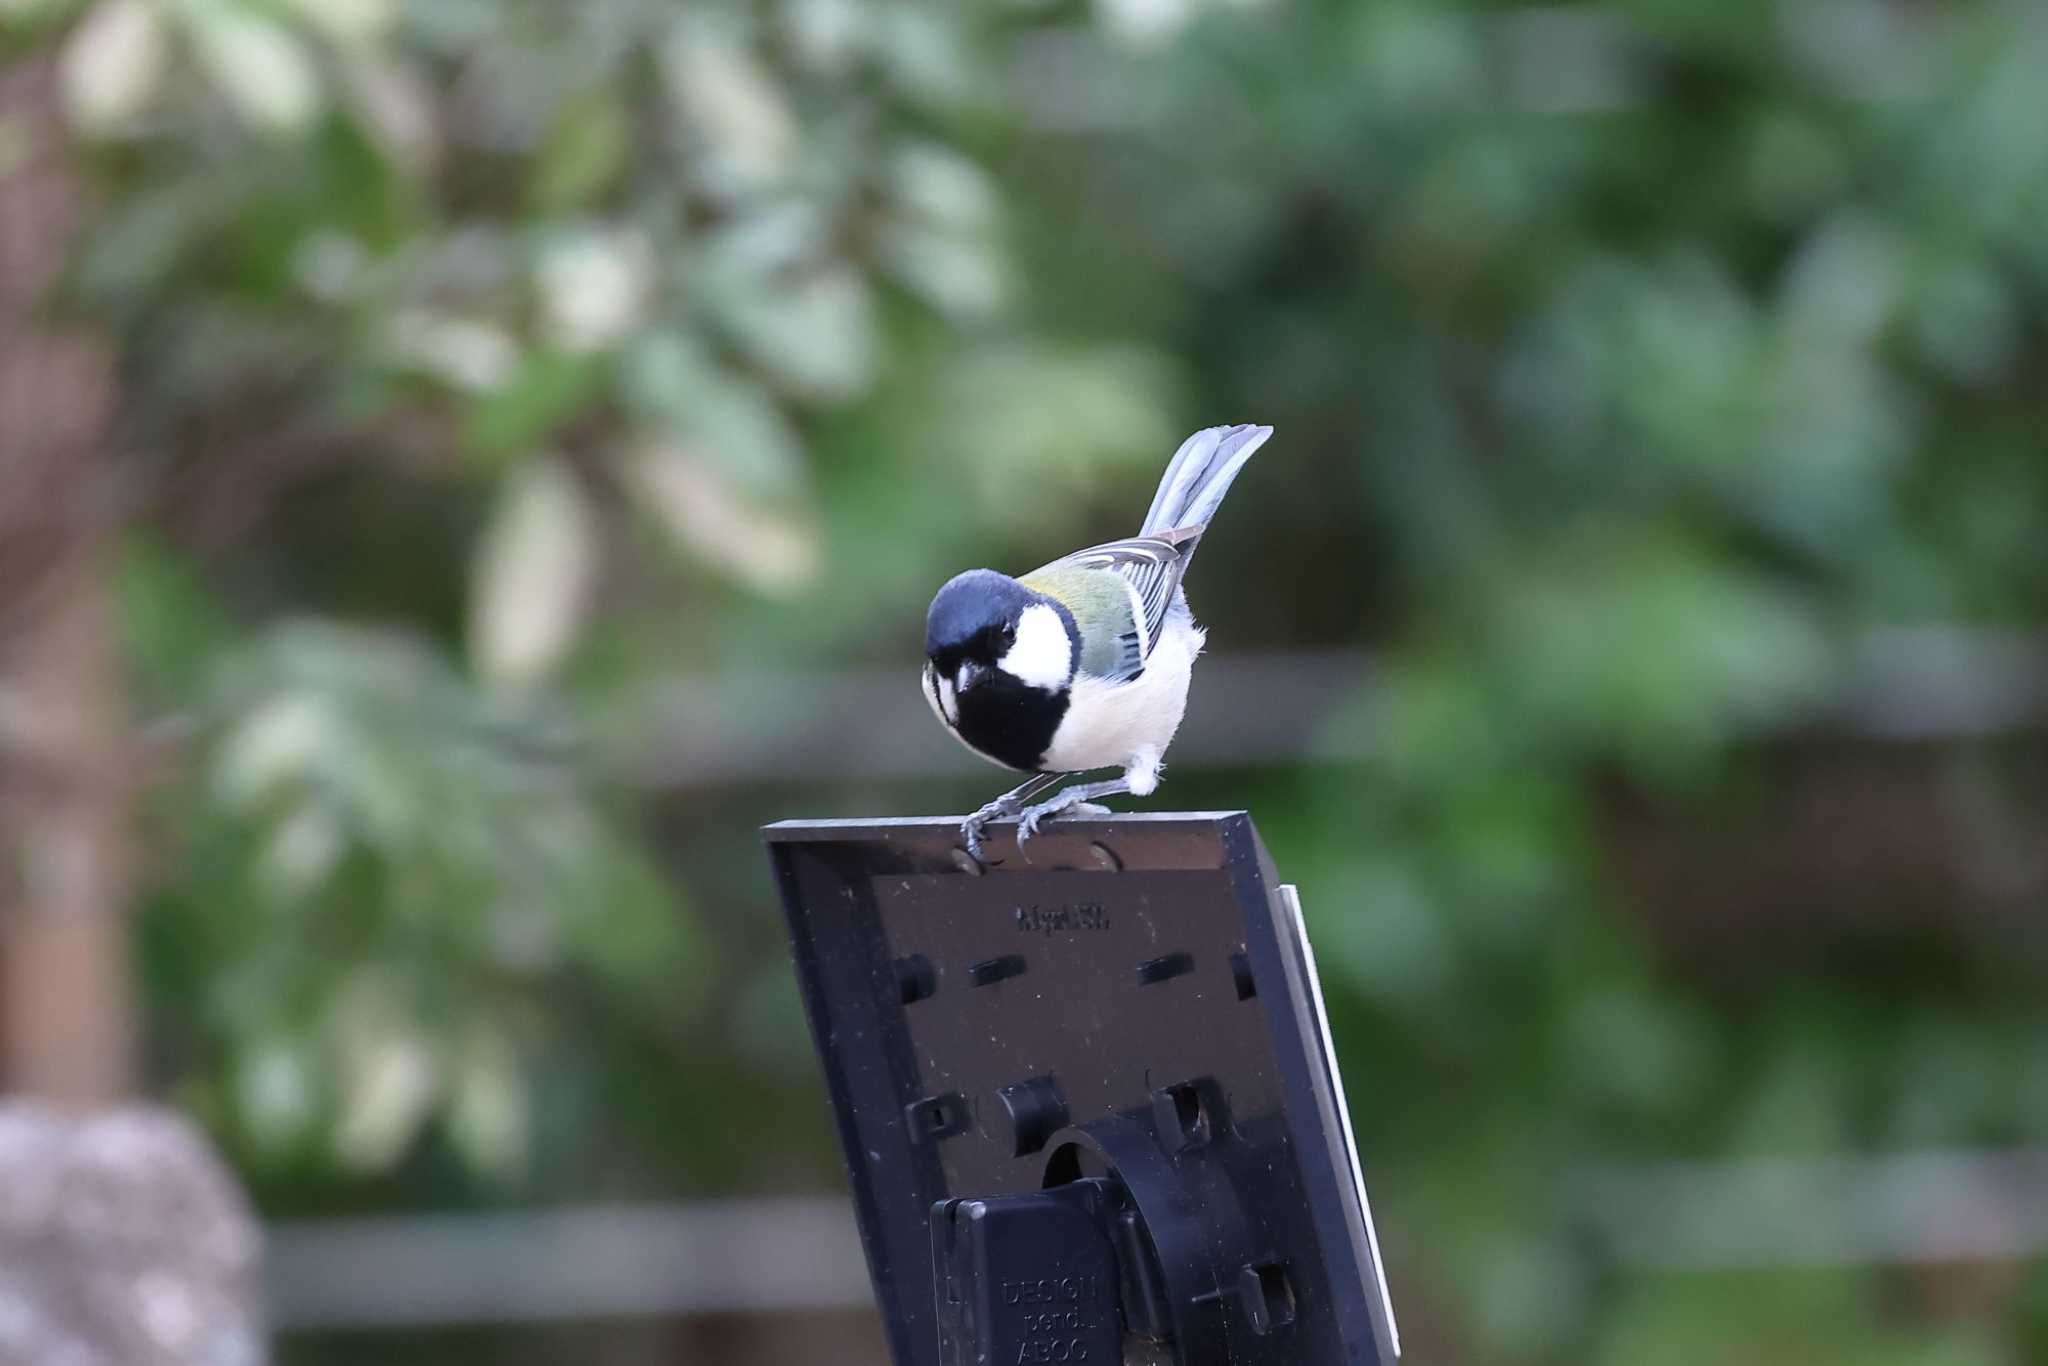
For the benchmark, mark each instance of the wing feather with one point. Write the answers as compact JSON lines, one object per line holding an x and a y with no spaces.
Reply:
{"x":1149,"y":569}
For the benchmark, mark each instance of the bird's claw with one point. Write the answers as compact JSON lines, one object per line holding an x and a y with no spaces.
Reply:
{"x":1029,"y":822}
{"x":972,"y":828}
{"x":1028,"y":818}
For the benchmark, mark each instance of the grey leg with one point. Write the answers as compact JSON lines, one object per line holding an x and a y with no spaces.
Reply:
{"x":1079,"y":799}
{"x":1004,"y":808}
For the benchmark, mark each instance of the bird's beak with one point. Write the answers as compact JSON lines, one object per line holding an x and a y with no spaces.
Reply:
{"x":968,"y":675}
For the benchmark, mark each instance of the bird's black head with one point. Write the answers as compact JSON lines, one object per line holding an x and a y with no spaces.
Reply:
{"x":973,"y":620}
{"x":1002,"y":659}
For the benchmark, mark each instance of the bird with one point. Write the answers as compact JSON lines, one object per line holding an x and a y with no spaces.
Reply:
{"x":1084,"y":663}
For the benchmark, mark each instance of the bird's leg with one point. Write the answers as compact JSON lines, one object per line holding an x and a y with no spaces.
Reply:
{"x":1079,"y":799}
{"x":1003,"y":808}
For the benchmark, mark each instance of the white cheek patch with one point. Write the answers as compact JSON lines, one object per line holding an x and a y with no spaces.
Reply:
{"x":938,"y":695}
{"x":1043,"y":656}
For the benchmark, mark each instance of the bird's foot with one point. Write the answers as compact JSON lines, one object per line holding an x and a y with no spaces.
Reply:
{"x":1073,"y":801}
{"x":974,"y":826}
{"x":1003,"y":808}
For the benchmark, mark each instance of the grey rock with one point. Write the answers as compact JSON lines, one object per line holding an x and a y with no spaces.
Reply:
{"x":123,"y":1242}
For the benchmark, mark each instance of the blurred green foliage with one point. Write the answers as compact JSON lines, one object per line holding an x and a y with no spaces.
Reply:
{"x":486,"y":363}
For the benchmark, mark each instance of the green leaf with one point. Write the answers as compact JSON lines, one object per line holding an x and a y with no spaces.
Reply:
{"x":547,"y":391}
{"x":814,"y":335}
{"x":172,"y":627}
{"x":729,"y":421}
{"x":586,"y":148}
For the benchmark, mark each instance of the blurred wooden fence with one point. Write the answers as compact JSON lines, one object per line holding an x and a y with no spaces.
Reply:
{"x":783,"y":1256}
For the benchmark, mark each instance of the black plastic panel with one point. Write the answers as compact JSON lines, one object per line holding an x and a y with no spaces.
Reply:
{"x":1135,"y":998}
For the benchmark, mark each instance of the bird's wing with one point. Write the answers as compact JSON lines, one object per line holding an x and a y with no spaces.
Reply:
{"x":1119,"y":593}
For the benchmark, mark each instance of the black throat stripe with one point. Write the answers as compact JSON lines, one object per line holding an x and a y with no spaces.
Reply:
{"x":1011,"y":722}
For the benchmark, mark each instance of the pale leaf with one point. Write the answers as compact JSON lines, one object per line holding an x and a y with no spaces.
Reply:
{"x":113,"y":65}
{"x":705,"y":511}
{"x":488,"y":1112}
{"x":594,"y":287}
{"x":274,"y":1091}
{"x":744,"y":126}
{"x":259,"y":65}
{"x":388,"y":1083}
{"x":532,"y":576}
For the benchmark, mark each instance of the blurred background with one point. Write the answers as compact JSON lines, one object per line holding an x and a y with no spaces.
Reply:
{"x":465,"y":464}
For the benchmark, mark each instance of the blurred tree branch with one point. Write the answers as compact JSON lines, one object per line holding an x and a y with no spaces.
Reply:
{"x":65,"y":999}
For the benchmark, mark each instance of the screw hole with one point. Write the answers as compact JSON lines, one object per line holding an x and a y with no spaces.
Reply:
{"x":1181,"y":1114}
{"x":1164,"y":968}
{"x":992,"y":970}
{"x":1241,"y":971}
{"x":1268,"y":1296}
{"x":916,"y":977}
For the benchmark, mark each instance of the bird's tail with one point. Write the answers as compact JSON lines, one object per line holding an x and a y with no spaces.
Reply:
{"x":1198,"y":476}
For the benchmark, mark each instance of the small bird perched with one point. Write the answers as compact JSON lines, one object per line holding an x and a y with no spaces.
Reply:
{"x":1084,"y":663}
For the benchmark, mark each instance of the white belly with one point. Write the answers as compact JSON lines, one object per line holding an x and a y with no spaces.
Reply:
{"x":1129,"y":725}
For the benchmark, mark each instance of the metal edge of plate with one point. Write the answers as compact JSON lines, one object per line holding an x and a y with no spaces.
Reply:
{"x":1297,"y":929}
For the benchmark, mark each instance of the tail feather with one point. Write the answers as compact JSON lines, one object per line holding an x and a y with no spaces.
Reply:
{"x":1198,"y":476}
